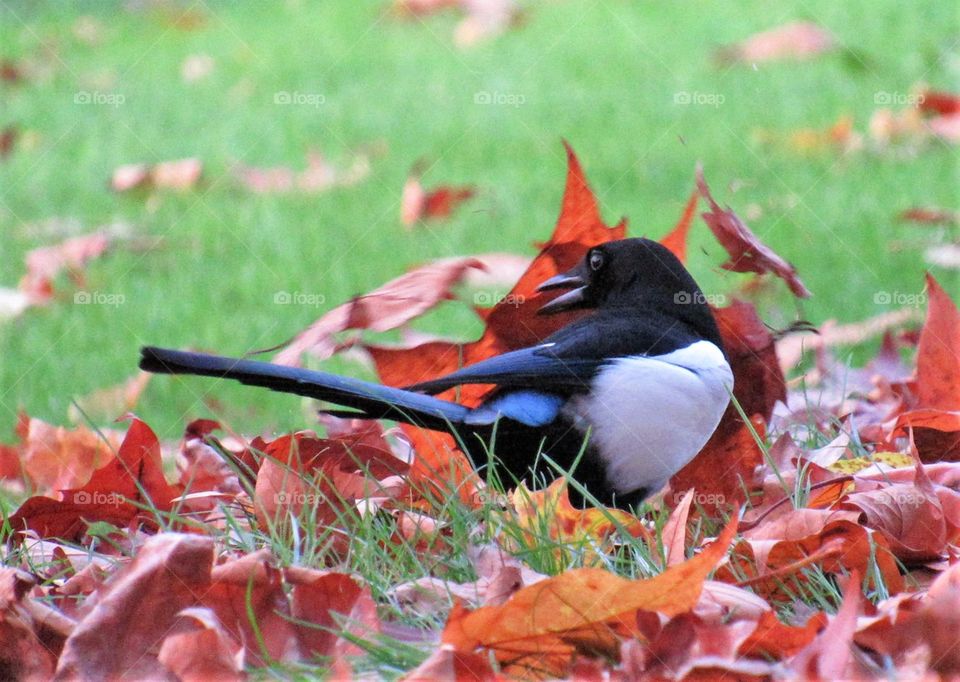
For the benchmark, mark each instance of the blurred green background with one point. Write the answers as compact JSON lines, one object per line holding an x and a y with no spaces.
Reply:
{"x":633,"y":86}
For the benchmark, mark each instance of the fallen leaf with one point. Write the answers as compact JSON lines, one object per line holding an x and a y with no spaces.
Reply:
{"x":792,"y":41}
{"x":674,"y":534}
{"x":587,"y":532}
{"x":55,"y":458}
{"x":44,"y":264}
{"x":747,"y":253}
{"x":199,"y":649}
{"x":832,"y":656}
{"x":318,"y":176}
{"x":322,"y":601}
{"x":388,"y":307}
{"x":930,"y":215}
{"x":446,"y":663}
{"x":910,"y":516}
{"x":23,"y":656}
{"x":938,"y":353}
{"x":8,"y":140}
{"x":114,"y":493}
{"x":169,"y":573}
{"x":181,"y":175}
{"x":419,"y":204}
{"x":540,"y":627}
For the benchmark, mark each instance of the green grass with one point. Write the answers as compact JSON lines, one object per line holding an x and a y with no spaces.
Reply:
{"x":603,"y":75}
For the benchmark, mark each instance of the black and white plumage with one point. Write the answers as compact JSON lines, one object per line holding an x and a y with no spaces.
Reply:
{"x":643,"y":379}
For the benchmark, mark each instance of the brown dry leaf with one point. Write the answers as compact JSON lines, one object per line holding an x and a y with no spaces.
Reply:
{"x":938,"y":353}
{"x":248,"y":597}
{"x":318,"y":176}
{"x":747,"y":253}
{"x":930,"y":215}
{"x":831,"y":655}
{"x":8,"y":139}
{"x":790,"y":347}
{"x":388,"y":307}
{"x":768,"y":558}
{"x":928,"y":620}
{"x":910,"y":516}
{"x":330,"y":477}
{"x":793,"y":41}
{"x":114,"y":493}
{"x":181,"y":175}
{"x":419,"y":204}
{"x":56,"y":458}
{"x":674,"y":533}
{"x":44,"y":264}
{"x":322,"y":602}
{"x":774,"y":639}
{"x":448,"y":664}
{"x":23,"y":655}
{"x":540,"y":627}
{"x":137,"y":608}
{"x":199,"y":649}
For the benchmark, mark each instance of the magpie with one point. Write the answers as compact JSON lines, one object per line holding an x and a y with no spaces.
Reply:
{"x":624,"y":396}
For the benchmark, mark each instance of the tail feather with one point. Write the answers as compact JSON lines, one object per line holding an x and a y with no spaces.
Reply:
{"x":374,"y":401}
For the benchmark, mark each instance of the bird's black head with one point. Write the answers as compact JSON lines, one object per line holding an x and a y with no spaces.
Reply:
{"x":631,"y":275}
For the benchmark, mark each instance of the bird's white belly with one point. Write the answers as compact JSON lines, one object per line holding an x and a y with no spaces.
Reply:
{"x":650,"y":415}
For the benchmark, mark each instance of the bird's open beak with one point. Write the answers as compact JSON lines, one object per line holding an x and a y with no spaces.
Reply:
{"x":575,"y":298}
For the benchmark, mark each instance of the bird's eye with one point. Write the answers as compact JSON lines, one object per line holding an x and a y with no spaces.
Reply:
{"x":596,"y":261}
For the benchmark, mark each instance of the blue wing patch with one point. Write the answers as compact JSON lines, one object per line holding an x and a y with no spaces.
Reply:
{"x":527,"y":407}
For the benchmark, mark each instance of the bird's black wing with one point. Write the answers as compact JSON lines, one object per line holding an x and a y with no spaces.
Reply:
{"x":567,"y":360}
{"x":535,"y":367}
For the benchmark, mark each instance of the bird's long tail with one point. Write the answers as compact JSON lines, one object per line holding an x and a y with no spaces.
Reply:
{"x":373,"y":401}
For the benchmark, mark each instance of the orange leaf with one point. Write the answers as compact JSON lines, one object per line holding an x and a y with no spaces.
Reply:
{"x":545,"y":623}
{"x":774,"y":639}
{"x":676,"y":239}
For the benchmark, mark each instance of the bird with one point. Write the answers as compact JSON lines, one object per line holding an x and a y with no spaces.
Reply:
{"x":620,"y":399}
